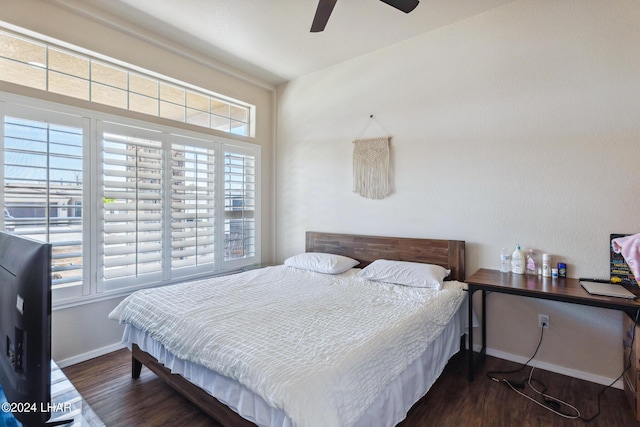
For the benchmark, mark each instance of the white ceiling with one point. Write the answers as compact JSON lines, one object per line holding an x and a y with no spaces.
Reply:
{"x":270,"y":39}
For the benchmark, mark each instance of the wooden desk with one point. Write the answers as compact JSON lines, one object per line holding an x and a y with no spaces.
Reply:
{"x":561,"y":289}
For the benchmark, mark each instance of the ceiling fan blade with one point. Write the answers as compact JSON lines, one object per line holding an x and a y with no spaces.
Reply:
{"x":323,"y":12}
{"x":404,"y":5}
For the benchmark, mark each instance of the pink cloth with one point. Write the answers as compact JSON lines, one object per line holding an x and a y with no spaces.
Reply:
{"x":629,"y":247}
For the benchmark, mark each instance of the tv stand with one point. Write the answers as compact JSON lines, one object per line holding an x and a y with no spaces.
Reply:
{"x":67,"y":405}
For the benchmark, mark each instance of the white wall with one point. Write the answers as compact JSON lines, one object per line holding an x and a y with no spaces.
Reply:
{"x":84,"y":331}
{"x":520,"y":125}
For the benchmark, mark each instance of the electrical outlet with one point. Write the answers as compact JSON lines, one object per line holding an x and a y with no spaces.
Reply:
{"x":543,"y":321}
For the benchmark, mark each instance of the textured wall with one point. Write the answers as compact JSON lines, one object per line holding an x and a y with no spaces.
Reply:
{"x":520,"y":125}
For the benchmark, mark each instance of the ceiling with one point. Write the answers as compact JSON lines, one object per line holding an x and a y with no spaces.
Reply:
{"x":270,"y":39}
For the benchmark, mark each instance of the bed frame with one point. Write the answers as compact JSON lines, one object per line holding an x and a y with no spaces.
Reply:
{"x":447,"y":253}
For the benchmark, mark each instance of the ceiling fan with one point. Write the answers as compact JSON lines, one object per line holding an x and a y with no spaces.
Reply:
{"x":325,"y":7}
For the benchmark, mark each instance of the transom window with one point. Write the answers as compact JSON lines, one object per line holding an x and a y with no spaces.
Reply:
{"x":43,"y":66}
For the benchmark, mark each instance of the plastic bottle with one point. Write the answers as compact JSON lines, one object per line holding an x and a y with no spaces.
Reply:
{"x":562,"y":270}
{"x":505,"y":261}
{"x":517,"y":261}
{"x":532,"y":262}
{"x":546,"y":265}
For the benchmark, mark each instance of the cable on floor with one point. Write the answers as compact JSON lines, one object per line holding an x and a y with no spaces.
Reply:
{"x":625,"y":368}
{"x":549,"y":402}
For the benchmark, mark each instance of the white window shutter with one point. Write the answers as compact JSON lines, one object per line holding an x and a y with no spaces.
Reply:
{"x":193,"y":207}
{"x":42,"y":194}
{"x":240,"y":180}
{"x":132,"y":205}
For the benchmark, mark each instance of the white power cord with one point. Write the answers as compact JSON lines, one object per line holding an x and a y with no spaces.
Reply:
{"x":546,"y":396}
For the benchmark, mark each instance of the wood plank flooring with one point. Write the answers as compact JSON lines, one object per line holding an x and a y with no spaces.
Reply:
{"x":106,"y":383}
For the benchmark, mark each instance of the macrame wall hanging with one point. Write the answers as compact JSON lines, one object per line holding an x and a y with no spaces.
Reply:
{"x":371,"y":167}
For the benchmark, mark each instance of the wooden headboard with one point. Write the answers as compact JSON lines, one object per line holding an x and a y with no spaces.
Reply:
{"x":366,"y":249}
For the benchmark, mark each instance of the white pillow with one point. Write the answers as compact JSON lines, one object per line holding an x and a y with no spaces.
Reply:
{"x":405,"y":273}
{"x":321,"y":262}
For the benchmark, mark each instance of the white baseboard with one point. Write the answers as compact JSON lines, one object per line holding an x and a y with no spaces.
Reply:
{"x":598,"y":379}
{"x":89,"y":355}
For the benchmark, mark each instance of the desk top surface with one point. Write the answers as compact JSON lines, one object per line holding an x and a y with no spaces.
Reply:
{"x":560,"y":289}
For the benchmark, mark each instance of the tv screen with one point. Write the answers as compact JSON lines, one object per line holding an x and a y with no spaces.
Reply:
{"x":25,"y":327}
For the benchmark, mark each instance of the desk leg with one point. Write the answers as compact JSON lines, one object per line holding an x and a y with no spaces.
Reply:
{"x":471,"y":290}
{"x":483,"y":351}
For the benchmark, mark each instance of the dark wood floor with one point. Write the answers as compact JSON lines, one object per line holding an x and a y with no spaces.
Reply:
{"x":106,"y":383}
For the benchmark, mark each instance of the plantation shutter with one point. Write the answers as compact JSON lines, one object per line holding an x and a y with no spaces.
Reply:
{"x":240,"y":172}
{"x":42,"y":191}
{"x":132,"y":205}
{"x":193,"y":207}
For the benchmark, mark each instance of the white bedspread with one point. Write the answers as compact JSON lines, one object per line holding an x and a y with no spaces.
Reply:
{"x":319,"y":347}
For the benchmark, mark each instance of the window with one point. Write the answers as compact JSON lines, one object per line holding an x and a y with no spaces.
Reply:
{"x":132,"y":190}
{"x":39,"y":65}
{"x":193,"y":205}
{"x":43,"y":188}
{"x":126,"y":204}
{"x":239,"y":205}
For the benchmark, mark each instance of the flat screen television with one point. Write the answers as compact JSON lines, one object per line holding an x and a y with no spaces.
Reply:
{"x":25,"y":327}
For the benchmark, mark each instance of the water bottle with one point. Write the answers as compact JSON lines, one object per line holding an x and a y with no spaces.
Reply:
{"x":505,"y":261}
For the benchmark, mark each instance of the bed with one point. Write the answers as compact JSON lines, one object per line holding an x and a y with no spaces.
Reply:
{"x":371,"y":378}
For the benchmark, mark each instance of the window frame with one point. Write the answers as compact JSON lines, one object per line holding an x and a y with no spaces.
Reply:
{"x":93,"y":286}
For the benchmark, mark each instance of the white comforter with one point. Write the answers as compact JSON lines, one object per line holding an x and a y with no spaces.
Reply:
{"x":320,"y":347}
